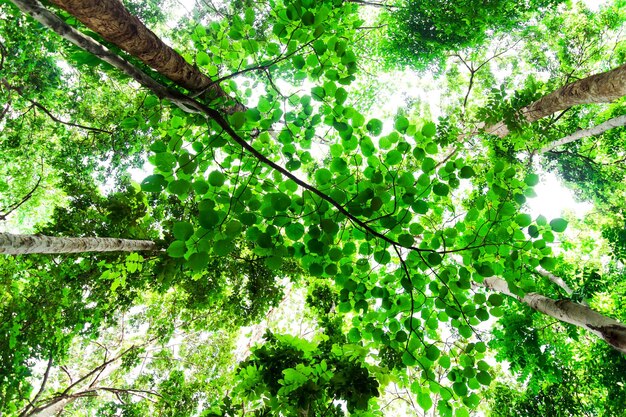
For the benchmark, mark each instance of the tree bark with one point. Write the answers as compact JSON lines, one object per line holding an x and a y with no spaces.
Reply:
{"x":598,"y":88}
{"x":44,"y":16}
{"x":618,"y":121}
{"x":11,"y":244}
{"x":111,"y":20}
{"x":608,"y":329}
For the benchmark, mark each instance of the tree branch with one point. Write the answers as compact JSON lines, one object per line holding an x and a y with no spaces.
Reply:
{"x":618,"y":121}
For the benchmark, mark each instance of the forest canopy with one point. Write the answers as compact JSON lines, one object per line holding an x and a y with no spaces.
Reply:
{"x":311,"y":208}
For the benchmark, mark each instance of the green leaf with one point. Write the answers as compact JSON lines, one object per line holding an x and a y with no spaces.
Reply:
{"x":393,"y":157}
{"x":434,"y":258}
{"x":182,"y":230}
{"x":401,"y":124}
{"x":495,"y":300}
{"x":406,"y":240}
{"x":548,"y":263}
{"x":531,"y":180}
{"x":177,"y":249}
{"x":308,"y":18}
{"x":424,"y":401}
{"x":558,"y":225}
{"x":523,"y":219}
{"x":198,"y":261}
{"x":294,"y":231}
{"x":483,"y":377}
{"x":408,"y":359}
{"x":374,"y":126}
{"x":466,"y":172}
{"x":238,"y":119}
{"x":216,"y":178}
{"x":441,"y":189}
{"x":429,"y":130}
{"x":202,"y":59}
{"x":153,"y":183}
{"x":179,"y":187}
{"x":323,"y":176}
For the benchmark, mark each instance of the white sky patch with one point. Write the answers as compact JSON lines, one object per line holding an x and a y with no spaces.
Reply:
{"x":594,"y":5}
{"x":554,"y":199}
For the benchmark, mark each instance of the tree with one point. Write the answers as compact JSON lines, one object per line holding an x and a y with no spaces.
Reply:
{"x":421,"y":33}
{"x":598,"y":88}
{"x":20,"y":244}
{"x":399,"y":228}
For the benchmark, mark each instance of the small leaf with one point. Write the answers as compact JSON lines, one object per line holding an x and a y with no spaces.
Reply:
{"x":548,"y":263}
{"x":202,"y":58}
{"x":402,"y":123}
{"x":216,"y":178}
{"x":558,"y":225}
{"x":198,"y":261}
{"x":531,"y":180}
{"x":182,"y":230}
{"x":467,"y":172}
{"x":429,"y":130}
{"x":323,"y":176}
{"x":441,"y":189}
{"x":483,"y":377}
{"x":177,"y":249}
{"x":153,"y":184}
{"x":374,"y":126}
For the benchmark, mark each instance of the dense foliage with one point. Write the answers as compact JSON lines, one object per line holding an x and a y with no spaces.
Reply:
{"x":306,"y":198}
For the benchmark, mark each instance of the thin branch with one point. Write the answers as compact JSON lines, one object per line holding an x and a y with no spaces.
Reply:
{"x":27,"y":197}
{"x":20,"y":91}
{"x":618,"y":121}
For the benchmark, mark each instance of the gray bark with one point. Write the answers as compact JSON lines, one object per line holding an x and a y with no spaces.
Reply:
{"x":598,"y":88}
{"x":11,"y":244}
{"x":608,"y":329}
{"x":618,"y":121}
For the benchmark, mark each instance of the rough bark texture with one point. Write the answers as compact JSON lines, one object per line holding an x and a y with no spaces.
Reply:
{"x":111,"y":20}
{"x":592,"y":131}
{"x":611,"y":331}
{"x":598,"y":88}
{"x":22,"y":244}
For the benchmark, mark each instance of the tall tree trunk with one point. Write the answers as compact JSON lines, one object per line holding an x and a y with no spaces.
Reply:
{"x":11,"y":244}
{"x":618,"y":121}
{"x":610,"y":330}
{"x":111,"y":20}
{"x":598,"y":88}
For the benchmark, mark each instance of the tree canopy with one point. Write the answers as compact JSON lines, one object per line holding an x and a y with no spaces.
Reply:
{"x":336,"y":204}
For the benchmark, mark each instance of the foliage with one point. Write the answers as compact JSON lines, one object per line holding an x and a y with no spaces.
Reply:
{"x":421,"y":33}
{"x":392,"y":223}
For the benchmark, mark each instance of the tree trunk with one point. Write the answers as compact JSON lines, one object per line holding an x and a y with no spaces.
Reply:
{"x":111,"y":20}
{"x":22,"y":244}
{"x":611,"y":331}
{"x":618,"y":121}
{"x":598,"y":88}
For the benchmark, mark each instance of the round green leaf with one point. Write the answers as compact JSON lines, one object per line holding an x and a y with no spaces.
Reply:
{"x":216,"y":178}
{"x":558,"y":225}
{"x":531,"y":180}
{"x":483,"y":377}
{"x":441,"y":189}
{"x":198,"y":261}
{"x":153,"y":184}
{"x":323,"y":176}
{"x":402,"y":123}
{"x":429,"y":130}
{"x":374,"y":126}
{"x":294,"y":231}
{"x":179,"y":187}
{"x":177,"y":249}
{"x":182,"y":230}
